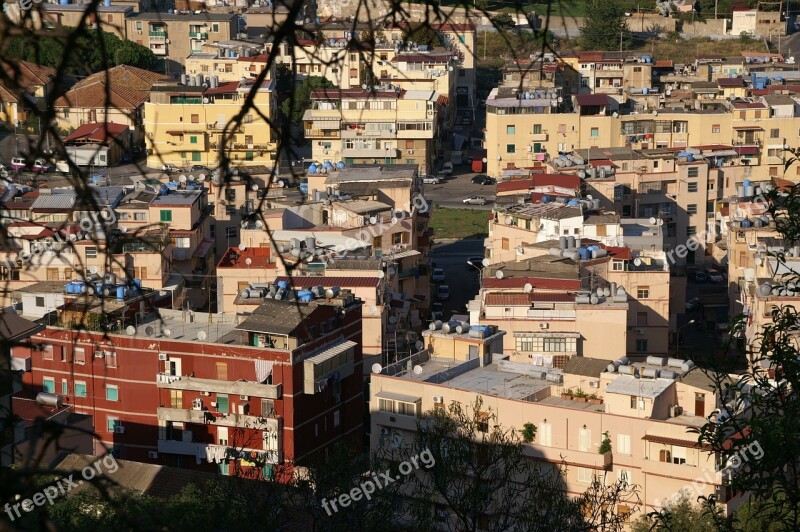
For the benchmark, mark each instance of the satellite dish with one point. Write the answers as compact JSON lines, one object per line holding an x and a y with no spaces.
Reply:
{"x":377,"y":368}
{"x":167,"y":333}
{"x":130,"y":330}
{"x":259,"y":224}
{"x":373,"y":310}
{"x":255,"y":186}
{"x":485,"y":160}
{"x":419,"y":344}
{"x":485,"y":262}
{"x":149,"y":331}
{"x":520,"y":250}
{"x":381,"y":274}
{"x":248,"y":261}
{"x":182,"y":178}
{"x":653,"y":221}
{"x":242,"y":247}
{"x":201,"y":177}
{"x":660,"y":221}
{"x":373,"y":220}
{"x":201,"y":335}
{"x":637,"y":261}
{"x":392,"y":320}
{"x":499,"y":274}
{"x":93,"y":270}
{"x":417,"y":370}
{"x":758,"y":261}
{"x":528,"y":288}
{"x":190,"y":177}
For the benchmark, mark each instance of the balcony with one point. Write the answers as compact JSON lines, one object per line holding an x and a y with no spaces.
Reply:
{"x":322,"y":133}
{"x":359,"y":133}
{"x":189,"y":448}
{"x":405,"y":274}
{"x":181,"y":415}
{"x":158,"y":50}
{"x":254,"y":389}
{"x":679,"y":471}
{"x":181,"y":253}
{"x":572,"y":457}
{"x":254,"y":147}
{"x":397,"y":421}
{"x":539,"y":137}
{"x":197,"y":35}
{"x":157,"y":36}
{"x":375,"y":153}
{"x":415,"y":134}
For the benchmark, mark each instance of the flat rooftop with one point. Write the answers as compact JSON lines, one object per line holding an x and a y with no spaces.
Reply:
{"x":373,"y":173}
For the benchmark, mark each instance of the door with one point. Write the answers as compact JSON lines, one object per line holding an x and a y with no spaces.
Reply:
{"x":473,"y":352}
{"x":700,"y":404}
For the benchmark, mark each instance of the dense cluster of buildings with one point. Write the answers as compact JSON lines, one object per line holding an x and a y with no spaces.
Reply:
{"x":206,"y":323}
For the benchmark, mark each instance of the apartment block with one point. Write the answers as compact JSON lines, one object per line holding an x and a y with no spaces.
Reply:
{"x":163,"y":387}
{"x":230,"y":61}
{"x":186,"y":124}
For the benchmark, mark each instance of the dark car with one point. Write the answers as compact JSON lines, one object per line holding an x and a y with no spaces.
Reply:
{"x":700,"y":278}
{"x":201,"y":168}
{"x":126,"y":159}
{"x":480,"y":179}
{"x":693,"y":304}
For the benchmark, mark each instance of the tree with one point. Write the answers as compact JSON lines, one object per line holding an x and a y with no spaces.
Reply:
{"x":503,"y":22}
{"x":421,"y":34}
{"x":300,"y":100}
{"x":602,"y":30}
{"x":678,"y":516}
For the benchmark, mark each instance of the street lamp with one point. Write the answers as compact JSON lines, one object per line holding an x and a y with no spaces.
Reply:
{"x":678,"y":339}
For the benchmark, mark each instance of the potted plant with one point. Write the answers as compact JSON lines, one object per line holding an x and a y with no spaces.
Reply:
{"x":605,"y":445}
{"x":528,"y":432}
{"x":581,"y":396}
{"x":595,"y":400}
{"x":567,"y":395}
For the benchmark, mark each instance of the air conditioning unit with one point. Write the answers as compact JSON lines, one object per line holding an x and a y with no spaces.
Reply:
{"x":411,"y":152}
{"x":384,"y":431}
{"x":213,"y":404}
{"x":119,"y":430}
{"x":152,"y":454}
{"x":163,"y":356}
{"x":438,"y":399}
{"x":544,"y":325}
{"x":639,"y":331}
{"x":205,"y":393}
{"x":139,"y":32}
{"x":244,"y":397}
{"x":594,"y":384}
{"x":99,"y":354}
{"x":250,"y":146}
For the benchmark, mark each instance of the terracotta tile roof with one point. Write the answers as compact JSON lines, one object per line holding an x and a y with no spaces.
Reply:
{"x":97,"y":133}
{"x":585,"y":366}
{"x":663,"y":63}
{"x":620,"y":252}
{"x":537,"y":282}
{"x":236,"y":258}
{"x":552,"y":297}
{"x":591,"y":100}
{"x":338,"y":94}
{"x":33,"y":75}
{"x":508,"y":298}
{"x":29,"y":410}
{"x":748,"y":105}
{"x":344,"y":282}
{"x":128,"y":88}
{"x":224,"y":88}
{"x":730,"y":82}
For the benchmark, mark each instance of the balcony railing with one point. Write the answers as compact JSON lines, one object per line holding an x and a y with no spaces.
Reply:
{"x":375,"y":153}
{"x":182,"y":415}
{"x":322,"y":133}
{"x":539,"y":137}
{"x":190,"y":448}
{"x":159,"y":51}
{"x":198,"y":35}
{"x":253,"y":389}
{"x":157,"y":34}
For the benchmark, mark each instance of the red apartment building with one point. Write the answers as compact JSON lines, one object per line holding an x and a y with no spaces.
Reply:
{"x":181,"y":389}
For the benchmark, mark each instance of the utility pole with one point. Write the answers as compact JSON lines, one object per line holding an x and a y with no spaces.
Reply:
{"x":715,"y":9}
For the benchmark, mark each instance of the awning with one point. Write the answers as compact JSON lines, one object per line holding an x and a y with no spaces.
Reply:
{"x":405,"y":254}
{"x":720,"y":153}
{"x":203,"y":248}
{"x":747,"y":150}
{"x":325,"y":124}
{"x":332,"y":352}
{"x":689,"y":444}
{"x":177,"y":232}
{"x":397,"y":397}
{"x":748,"y":128}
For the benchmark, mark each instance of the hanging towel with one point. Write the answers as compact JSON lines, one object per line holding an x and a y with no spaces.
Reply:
{"x":263,"y":369}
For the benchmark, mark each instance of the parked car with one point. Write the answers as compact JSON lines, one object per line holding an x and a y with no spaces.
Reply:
{"x":480,"y":179}
{"x":126,"y":158}
{"x":40,"y":165}
{"x":714,"y":276}
{"x":693,"y":304}
{"x":442,"y":176}
{"x":430,"y":180}
{"x":447,"y":168}
{"x":200,"y":168}
{"x":18,"y":163}
{"x":438,"y":275}
{"x":475,"y":262}
{"x":443,"y":294}
{"x":169,"y":168}
{"x":700,"y":278}
{"x":475,"y":200}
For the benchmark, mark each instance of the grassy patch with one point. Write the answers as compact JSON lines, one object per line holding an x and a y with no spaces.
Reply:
{"x":686,"y":51}
{"x":459,"y":223}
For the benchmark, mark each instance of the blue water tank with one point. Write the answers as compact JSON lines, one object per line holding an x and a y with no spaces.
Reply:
{"x":163,"y":191}
{"x":121,"y":293}
{"x":283,"y":284}
{"x":746,"y":183}
{"x":546,"y":199}
{"x":63,"y":2}
{"x":340,"y":165}
{"x":107,"y":3}
{"x":98,"y":289}
{"x":689,"y":158}
{"x":759,"y":84}
{"x":645,"y":90}
{"x":745,"y":223}
{"x":305,"y":296}
{"x":584,"y":253}
{"x":573,"y":202}
{"x":69,"y":288}
{"x":312,"y":169}
{"x":138,"y":284}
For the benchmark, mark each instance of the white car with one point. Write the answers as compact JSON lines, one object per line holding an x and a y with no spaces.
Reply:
{"x":714,"y":276}
{"x":430,"y":180}
{"x":438,"y":275}
{"x":475,"y":200}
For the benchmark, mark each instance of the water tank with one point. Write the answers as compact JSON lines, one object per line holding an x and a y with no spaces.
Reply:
{"x":69,"y":288}
{"x":740,"y":191}
{"x":163,"y":191}
{"x":624,"y":361}
{"x":571,"y":242}
{"x":312,"y":169}
{"x":332,"y":292}
{"x":280,"y":293}
{"x":283,"y":284}
{"x":575,"y":257}
{"x":318,"y":291}
{"x":48,"y":399}
{"x":479,"y":331}
{"x":686,"y":366}
{"x":627,"y":370}
{"x":746,"y":182}
{"x":583,"y":300}
{"x":120,"y":293}
{"x":554,"y":252}
{"x":611,"y":368}
{"x":621,"y":296}
{"x":435,"y":325}
{"x":596,"y":254}
{"x":107,"y":3}
{"x":668,"y":374}
{"x":562,"y":242}
{"x":184,"y":80}
{"x":645,"y":90}
{"x":305,"y":296}
{"x":745,"y":223}
{"x":764,"y":289}
{"x":462,"y":327}
{"x":656,"y":361}
{"x":594,"y":300}
{"x":674,"y":362}
{"x":584,"y":253}
{"x":450,"y":326}
{"x":271,"y":291}
{"x":650,"y":373}
{"x":748,"y":191}
{"x":245,"y":294}
{"x":311,"y":243}
{"x":137,"y":283}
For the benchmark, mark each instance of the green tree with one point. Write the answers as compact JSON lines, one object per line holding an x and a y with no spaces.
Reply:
{"x":421,"y":34}
{"x":604,"y":26}
{"x":503,"y":22}
{"x":300,"y":100}
{"x":678,"y":516}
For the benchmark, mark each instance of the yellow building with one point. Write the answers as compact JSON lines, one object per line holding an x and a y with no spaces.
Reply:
{"x":229,"y":61}
{"x":32,"y":79}
{"x":185,"y":124}
{"x":53,"y":16}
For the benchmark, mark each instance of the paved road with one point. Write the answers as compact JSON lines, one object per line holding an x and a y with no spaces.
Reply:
{"x":451,"y":193}
{"x":463,"y":280}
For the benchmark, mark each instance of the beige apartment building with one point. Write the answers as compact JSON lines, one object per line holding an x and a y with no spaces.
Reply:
{"x":647,"y":410}
{"x":110,"y":18}
{"x":388,"y":126}
{"x":185,"y":124}
{"x":176,"y":36}
{"x":230,"y":61}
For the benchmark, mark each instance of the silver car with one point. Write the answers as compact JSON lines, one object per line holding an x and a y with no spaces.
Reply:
{"x":475,"y":200}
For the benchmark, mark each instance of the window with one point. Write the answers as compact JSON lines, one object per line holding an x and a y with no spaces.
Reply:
{"x":641,"y":345}
{"x":691,"y":187}
{"x":112,"y":423}
{"x":585,"y":475}
{"x":504,"y":243}
{"x":215,"y":27}
{"x":64,"y":387}
{"x":336,"y":418}
{"x":643,"y":292}
{"x":691,"y":230}
{"x":166,"y":215}
{"x":624,"y":443}
{"x":230,"y":210}
{"x":511,"y":130}
{"x":637,"y":403}
{"x":80,"y":389}
{"x":91,"y":252}
{"x":637,"y":69}
{"x":79,"y":355}
{"x":222,"y":403}
{"x":195,"y":119}
{"x":584,"y":440}
{"x":231,"y":232}
{"x":267,"y":408}
{"x":193,"y":139}
{"x":176,"y":398}
{"x":537,"y":129}
{"x":693,"y":171}
{"x":678,"y":455}
{"x":112,"y":393}
{"x":691,"y":208}
{"x":511,"y":148}
{"x":595,"y":132}
{"x":49,"y":384}
{"x":222,"y":371}
{"x":47,"y":352}
{"x":545,"y":434}
{"x":774,"y":133}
